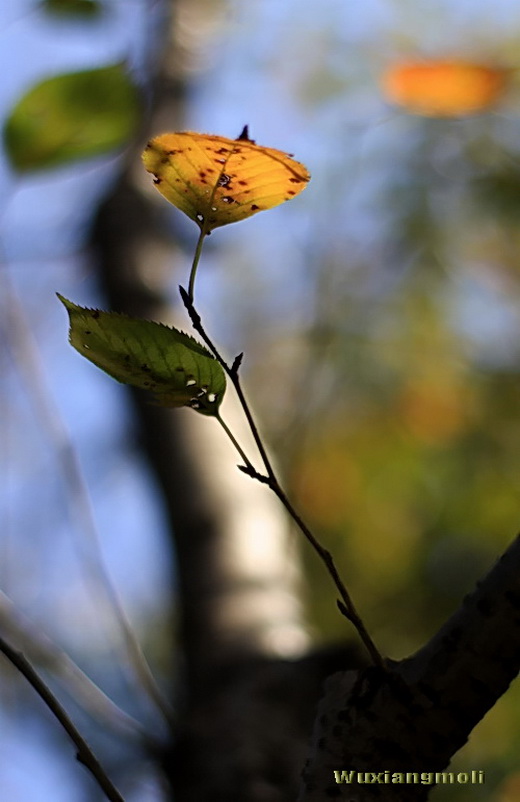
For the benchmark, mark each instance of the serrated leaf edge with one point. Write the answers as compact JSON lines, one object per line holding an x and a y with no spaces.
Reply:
{"x":71,"y":306}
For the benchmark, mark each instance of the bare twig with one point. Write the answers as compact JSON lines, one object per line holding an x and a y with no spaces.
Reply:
{"x":346,"y":605}
{"x":85,"y":754}
{"x":29,"y":638}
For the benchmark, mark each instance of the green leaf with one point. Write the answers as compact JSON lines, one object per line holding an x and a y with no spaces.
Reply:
{"x":76,"y":8}
{"x":173,"y":366}
{"x":72,"y":116}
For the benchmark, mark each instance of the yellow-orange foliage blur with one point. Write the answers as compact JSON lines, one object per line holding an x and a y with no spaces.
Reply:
{"x":444,"y":88}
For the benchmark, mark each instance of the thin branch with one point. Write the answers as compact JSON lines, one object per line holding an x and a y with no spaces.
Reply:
{"x":30,"y":639}
{"x":29,"y":364}
{"x":233,"y":374}
{"x":247,"y":463}
{"x":85,"y":754}
{"x":346,"y":606}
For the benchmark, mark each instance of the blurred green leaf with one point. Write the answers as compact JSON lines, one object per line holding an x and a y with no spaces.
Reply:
{"x":499,"y":193}
{"x":79,"y":8}
{"x":72,"y":116}
{"x":173,"y":366}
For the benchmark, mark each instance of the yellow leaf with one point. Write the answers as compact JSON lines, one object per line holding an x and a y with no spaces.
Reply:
{"x":216,"y":181}
{"x":444,"y":88}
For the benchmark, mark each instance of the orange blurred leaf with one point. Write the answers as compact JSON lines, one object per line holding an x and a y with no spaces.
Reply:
{"x":444,"y":88}
{"x":216,"y":181}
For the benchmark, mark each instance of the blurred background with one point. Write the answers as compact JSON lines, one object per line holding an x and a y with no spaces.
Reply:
{"x":379,"y":313}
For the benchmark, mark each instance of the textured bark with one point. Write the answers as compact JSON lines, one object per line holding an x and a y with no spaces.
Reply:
{"x":414,"y":717}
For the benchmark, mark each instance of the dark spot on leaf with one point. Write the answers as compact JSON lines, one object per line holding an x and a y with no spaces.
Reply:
{"x":220,"y":161}
{"x":145,"y":368}
{"x":87,"y":332}
{"x":174,"y":152}
{"x":157,"y":180}
{"x":254,"y":207}
{"x":95,"y":314}
{"x":291,"y":192}
{"x":228,"y":199}
{"x":222,"y":150}
{"x":223,"y":180}
{"x":296,"y":180}
{"x":243,"y":183}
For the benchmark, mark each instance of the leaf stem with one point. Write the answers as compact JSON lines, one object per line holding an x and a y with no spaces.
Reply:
{"x":346,"y":605}
{"x":196,"y":259}
{"x":235,"y":442}
{"x":85,"y":754}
